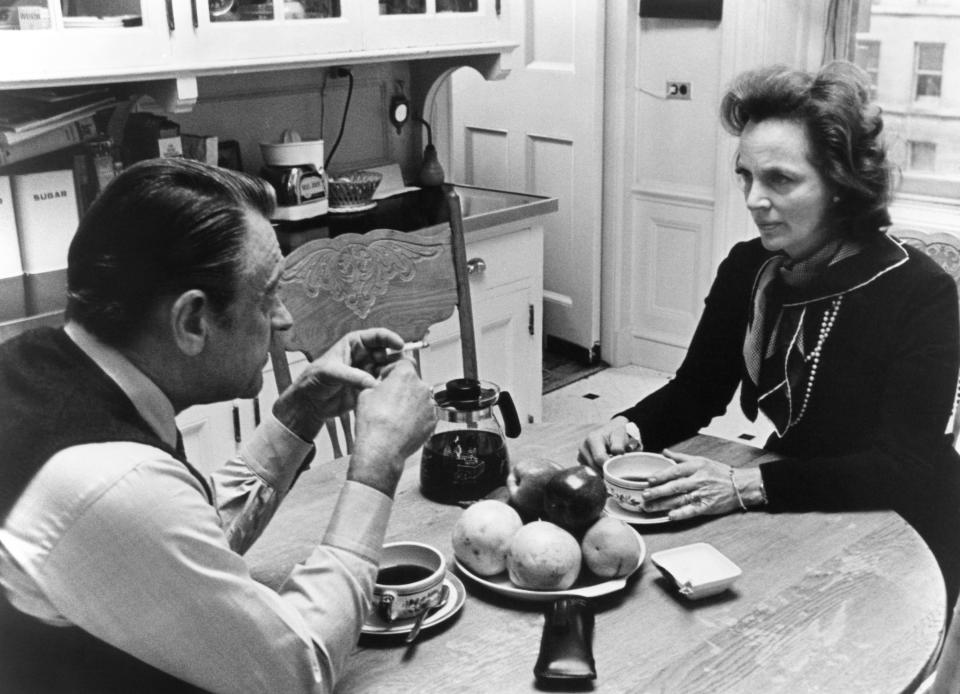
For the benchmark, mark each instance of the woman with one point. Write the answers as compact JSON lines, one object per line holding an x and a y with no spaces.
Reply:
{"x":847,"y":341}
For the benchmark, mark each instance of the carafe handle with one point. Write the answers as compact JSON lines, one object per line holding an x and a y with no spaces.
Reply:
{"x":511,"y":422}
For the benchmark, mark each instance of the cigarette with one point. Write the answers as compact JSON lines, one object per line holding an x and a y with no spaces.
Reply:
{"x":408,"y":347}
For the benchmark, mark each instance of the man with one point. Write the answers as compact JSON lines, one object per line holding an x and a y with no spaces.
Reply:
{"x":120,"y":563}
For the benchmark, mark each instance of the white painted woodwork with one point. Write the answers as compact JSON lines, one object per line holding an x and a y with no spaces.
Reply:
{"x":189,"y":44}
{"x":541,"y":131}
{"x":671,"y":205}
{"x":208,"y":434}
{"x":508,"y":354}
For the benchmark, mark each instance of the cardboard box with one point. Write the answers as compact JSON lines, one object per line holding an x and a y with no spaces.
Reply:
{"x":200,"y":148}
{"x":10,"y":264}
{"x":46,"y":212}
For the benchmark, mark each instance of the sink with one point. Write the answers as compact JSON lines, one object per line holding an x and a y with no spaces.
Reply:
{"x":477,"y":201}
{"x":484,"y":207}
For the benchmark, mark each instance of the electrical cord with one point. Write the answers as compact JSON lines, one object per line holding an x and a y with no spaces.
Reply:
{"x":343,"y":120}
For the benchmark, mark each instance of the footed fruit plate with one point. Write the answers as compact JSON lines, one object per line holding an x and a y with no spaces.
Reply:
{"x":500,"y":583}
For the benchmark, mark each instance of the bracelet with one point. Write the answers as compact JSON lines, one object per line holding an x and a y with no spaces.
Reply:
{"x":733,"y":483}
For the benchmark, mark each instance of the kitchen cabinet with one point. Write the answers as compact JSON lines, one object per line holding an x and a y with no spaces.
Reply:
{"x":506,"y":289}
{"x":144,"y":40}
{"x":209,"y":433}
{"x":68,"y":50}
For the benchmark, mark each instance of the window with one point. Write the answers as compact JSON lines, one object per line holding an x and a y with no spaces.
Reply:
{"x":928,"y":69}
{"x":919,"y":95}
{"x":923,"y":155}
{"x":868,"y":57}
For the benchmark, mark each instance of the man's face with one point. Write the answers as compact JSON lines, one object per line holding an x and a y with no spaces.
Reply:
{"x":240,"y":344}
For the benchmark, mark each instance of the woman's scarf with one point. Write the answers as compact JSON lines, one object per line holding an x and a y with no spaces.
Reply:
{"x":773,"y":348}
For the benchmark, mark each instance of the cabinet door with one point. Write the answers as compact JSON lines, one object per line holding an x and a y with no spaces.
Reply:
{"x":55,"y":41}
{"x":412,"y":24}
{"x":209,"y":434}
{"x":508,"y":347}
{"x":507,"y":297}
{"x":232,"y":33}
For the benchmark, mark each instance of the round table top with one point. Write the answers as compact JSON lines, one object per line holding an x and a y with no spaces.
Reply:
{"x":838,"y":602}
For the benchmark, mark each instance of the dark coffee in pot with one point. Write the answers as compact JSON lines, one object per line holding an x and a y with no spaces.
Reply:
{"x":463,"y":465}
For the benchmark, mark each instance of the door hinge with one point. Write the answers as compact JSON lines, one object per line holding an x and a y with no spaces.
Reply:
{"x":531,"y":315}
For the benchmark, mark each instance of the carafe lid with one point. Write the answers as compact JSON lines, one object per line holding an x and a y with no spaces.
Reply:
{"x":466,"y":394}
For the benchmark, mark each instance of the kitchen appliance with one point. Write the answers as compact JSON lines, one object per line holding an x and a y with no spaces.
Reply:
{"x":295,"y":170}
{"x":466,"y":457}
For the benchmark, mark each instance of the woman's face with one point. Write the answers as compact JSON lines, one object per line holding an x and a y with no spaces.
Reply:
{"x":785,"y":193}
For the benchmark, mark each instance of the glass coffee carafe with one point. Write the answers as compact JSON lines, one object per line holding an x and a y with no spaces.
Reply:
{"x":466,"y":458}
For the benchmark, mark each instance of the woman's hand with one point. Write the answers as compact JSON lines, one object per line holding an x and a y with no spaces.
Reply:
{"x":694,"y":487}
{"x":330,"y":384}
{"x":613,"y":438}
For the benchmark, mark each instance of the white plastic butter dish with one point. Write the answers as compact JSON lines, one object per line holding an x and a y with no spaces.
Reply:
{"x":698,"y":570}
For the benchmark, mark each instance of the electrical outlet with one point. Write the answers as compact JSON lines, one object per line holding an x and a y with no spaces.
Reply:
{"x":678,"y":90}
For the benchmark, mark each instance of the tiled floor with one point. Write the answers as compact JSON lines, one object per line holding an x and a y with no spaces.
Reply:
{"x":600,"y":395}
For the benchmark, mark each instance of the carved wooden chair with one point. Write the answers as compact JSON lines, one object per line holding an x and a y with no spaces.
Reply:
{"x":404,"y":281}
{"x":945,"y":249}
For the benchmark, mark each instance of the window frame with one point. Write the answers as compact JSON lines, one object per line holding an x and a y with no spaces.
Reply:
{"x":919,"y":73}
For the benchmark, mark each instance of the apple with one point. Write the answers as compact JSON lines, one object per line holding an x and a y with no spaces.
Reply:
{"x":574,"y":498}
{"x":526,"y":482}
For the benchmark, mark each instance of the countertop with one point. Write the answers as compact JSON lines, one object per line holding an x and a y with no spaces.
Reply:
{"x":483,"y":209}
{"x":32,"y":300}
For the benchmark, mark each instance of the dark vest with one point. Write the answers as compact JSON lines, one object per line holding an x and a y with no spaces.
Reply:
{"x":52,"y":396}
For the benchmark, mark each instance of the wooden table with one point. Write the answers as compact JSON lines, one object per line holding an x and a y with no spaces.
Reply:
{"x":842,"y":602}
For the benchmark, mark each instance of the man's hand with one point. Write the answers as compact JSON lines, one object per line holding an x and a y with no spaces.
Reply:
{"x":329,"y":386}
{"x":394,"y":419}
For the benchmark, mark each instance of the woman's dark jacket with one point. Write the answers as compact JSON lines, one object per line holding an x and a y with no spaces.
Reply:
{"x":873,"y":436}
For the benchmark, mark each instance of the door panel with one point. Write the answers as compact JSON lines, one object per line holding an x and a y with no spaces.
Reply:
{"x":540,"y":130}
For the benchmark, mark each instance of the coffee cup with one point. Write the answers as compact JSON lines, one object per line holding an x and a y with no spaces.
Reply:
{"x":626,"y":476}
{"x":410,"y":579}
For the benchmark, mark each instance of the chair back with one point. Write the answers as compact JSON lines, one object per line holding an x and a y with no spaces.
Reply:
{"x":404,"y":281}
{"x":945,"y":250}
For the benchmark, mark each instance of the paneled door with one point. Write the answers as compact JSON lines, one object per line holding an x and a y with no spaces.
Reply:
{"x":540,"y":130}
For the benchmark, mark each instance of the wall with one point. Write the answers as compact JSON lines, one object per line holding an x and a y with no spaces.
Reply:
{"x":258,"y":107}
{"x":673,"y":178}
{"x":671,"y":205}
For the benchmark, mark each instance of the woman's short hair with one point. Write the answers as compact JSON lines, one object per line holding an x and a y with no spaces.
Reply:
{"x":160,"y":228}
{"x":843,"y":130}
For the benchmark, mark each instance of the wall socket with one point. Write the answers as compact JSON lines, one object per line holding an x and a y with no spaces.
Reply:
{"x":678,"y":90}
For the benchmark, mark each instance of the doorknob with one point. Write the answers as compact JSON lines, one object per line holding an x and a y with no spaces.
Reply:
{"x":476,"y":266}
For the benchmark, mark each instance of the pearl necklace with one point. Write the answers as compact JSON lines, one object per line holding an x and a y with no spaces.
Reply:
{"x":813,"y":358}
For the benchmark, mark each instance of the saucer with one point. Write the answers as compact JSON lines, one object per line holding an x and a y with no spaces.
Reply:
{"x":615,"y":510}
{"x":379,"y":627}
